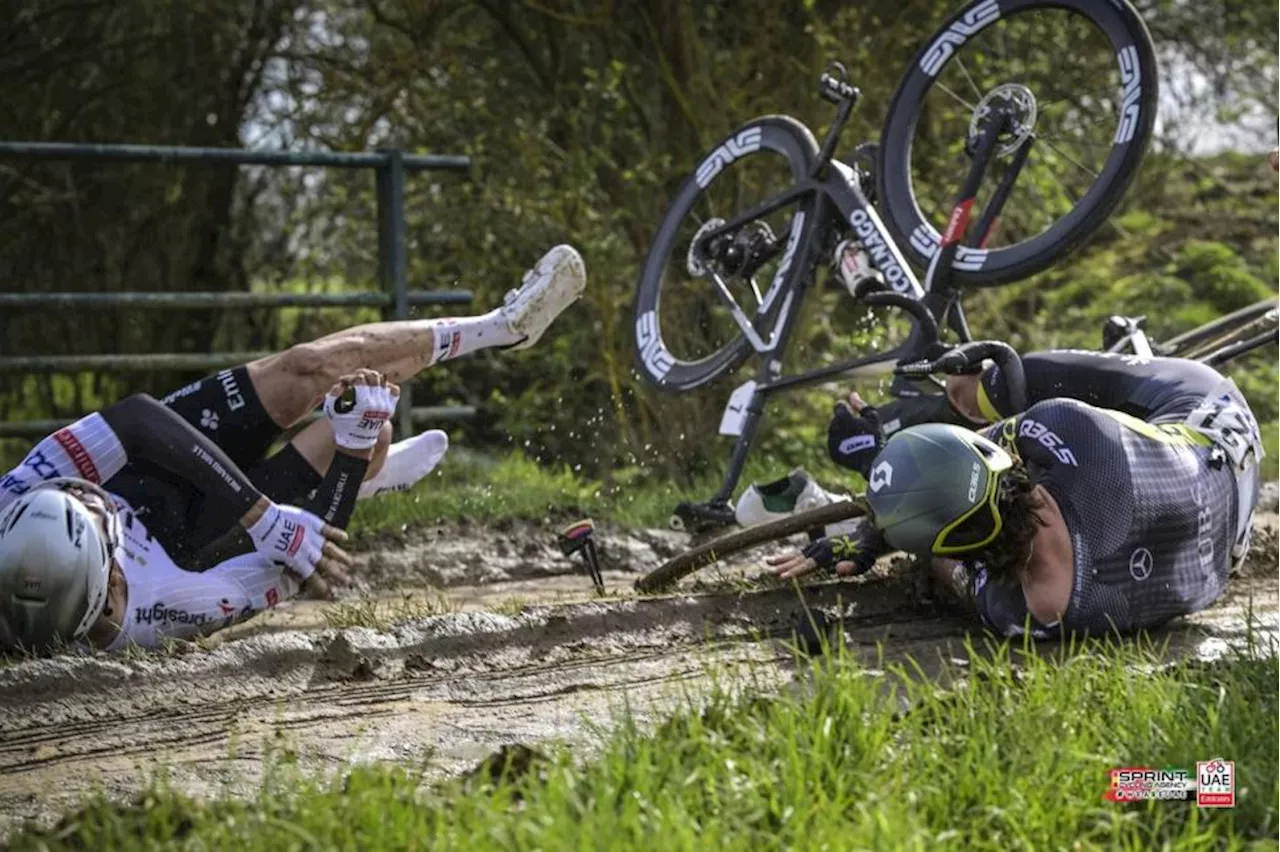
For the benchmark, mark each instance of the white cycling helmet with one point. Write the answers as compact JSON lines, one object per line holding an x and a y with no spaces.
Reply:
{"x":54,"y":562}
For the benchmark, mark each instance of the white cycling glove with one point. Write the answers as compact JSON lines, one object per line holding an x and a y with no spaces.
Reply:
{"x":291,"y":536}
{"x":356,"y":422}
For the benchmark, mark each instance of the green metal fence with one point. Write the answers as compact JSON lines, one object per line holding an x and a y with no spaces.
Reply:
{"x":391,"y":167}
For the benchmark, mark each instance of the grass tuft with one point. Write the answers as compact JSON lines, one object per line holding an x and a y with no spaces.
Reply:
{"x":1015,"y":754}
{"x":383,"y":614}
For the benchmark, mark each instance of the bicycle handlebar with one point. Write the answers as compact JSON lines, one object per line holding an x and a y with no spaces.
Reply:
{"x":964,"y":358}
{"x":925,"y":322}
{"x":968,"y":358}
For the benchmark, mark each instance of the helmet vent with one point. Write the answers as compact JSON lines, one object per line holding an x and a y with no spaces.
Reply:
{"x":13,"y":519}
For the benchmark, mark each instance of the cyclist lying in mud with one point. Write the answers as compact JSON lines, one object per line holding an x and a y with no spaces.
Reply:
{"x":99,"y":521}
{"x":1119,"y":499}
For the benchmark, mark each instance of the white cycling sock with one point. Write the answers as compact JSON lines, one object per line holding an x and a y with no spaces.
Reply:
{"x":407,"y":462}
{"x":460,"y":336}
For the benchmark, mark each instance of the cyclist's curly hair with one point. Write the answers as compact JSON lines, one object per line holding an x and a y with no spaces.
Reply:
{"x":1020,"y":511}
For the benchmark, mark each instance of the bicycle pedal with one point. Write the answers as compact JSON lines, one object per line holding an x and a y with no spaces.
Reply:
{"x":578,"y":537}
{"x":700,"y":518}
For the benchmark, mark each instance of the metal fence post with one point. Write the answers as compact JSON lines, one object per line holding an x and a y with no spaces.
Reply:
{"x":392,"y":260}
{"x":396,"y":299}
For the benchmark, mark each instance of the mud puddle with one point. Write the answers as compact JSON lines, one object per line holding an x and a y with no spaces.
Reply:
{"x":499,"y":653}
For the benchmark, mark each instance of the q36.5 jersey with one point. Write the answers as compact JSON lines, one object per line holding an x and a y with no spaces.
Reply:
{"x":167,"y":602}
{"x":1151,"y":510}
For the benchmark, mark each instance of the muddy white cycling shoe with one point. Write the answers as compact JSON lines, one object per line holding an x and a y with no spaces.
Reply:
{"x":769,"y":501}
{"x":552,"y":285}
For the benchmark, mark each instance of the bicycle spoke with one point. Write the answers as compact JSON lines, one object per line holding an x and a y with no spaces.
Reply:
{"x":1066,"y":61}
{"x":1070,"y":160}
{"x":1078,"y":126}
{"x":960,"y":100}
{"x":965,"y":71}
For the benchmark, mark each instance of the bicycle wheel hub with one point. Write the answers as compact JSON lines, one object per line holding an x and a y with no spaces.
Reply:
{"x":1013,"y":100}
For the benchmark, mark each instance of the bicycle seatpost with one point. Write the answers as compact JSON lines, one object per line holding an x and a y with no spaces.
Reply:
{"x":834,"y":87}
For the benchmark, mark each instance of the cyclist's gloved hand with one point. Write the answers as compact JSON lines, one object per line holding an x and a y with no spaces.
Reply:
{"x":850,"y":554}
{"x":357,"y":406}
{"x":297,"y":539}
{"x":854,"y":439}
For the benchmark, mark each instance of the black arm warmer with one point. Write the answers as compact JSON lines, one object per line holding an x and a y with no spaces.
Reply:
{"x":335,"y":499}
{"x":1142,"y":387}
{"x":152,"y":432}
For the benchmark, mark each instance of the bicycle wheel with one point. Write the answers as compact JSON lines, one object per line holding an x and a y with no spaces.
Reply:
{"x":1253,"y":321}
{"x":1080,"y":77}
{"x":704,"y":554}
{"x":685,"y":335}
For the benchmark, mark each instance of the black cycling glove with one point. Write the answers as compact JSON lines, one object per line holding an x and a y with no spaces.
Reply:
{"x":862,"y":548}
{"x":853,"y":440}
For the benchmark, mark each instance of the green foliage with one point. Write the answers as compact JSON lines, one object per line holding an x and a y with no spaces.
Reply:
{"x":1221,"y":277}
{"x":514,"y":486}
{"x":582,"y":118}
{"x":1014,"y":754}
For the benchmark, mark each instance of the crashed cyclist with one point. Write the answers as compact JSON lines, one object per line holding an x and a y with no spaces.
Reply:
{"x":121,"y":498}
{"x":1119,"y":499}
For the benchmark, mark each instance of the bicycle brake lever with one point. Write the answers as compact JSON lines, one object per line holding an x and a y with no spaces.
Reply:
{"x":950,"y":363}
{"x":915,"y":370}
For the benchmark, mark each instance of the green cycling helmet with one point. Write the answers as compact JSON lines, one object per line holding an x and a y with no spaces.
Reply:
{"x":934,"y":489}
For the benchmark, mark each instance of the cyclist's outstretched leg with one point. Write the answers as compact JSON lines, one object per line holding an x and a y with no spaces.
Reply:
{"x":290,"y":384}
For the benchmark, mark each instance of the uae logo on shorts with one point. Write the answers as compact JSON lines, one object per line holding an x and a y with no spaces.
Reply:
{"x":209,"y":420}
{"x":1140,"y":563}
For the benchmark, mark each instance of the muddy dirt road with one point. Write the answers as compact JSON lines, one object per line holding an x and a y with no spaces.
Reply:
{"x":524,"y":656}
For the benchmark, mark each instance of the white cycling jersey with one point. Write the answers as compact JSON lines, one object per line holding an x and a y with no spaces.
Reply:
{"x":168,"y":602}
{"x":87,"y":449}
{"x":164,"y":600}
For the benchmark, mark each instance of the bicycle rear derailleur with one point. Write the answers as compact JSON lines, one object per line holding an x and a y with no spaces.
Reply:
{"x":739,"y":254}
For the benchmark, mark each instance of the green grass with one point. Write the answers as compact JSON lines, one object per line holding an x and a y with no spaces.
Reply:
{"x":517,"y":487}
{"x":1271,"y":444}
{"x":385,"y":614}
{"x":514,"y":486}
{"x":1013,"y":757}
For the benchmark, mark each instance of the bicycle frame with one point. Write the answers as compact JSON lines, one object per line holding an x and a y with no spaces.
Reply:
{"x":842,"y":205}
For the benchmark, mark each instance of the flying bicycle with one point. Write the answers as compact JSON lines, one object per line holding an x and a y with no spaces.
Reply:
{"x":740,"y":245}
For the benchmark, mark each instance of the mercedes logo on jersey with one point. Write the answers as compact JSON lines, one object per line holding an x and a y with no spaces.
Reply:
{"x":1140,"y":563}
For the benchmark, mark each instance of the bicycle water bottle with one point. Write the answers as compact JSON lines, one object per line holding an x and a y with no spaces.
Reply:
{"x":854,"y":265}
